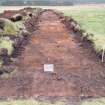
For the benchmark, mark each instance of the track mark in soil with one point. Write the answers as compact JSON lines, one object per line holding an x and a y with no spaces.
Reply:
{"x":77,"y":71}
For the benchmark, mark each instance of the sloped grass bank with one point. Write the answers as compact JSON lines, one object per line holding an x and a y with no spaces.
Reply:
{"x":92,"y":20}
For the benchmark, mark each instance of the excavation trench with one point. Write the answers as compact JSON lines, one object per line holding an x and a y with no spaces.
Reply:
{"x":78,"y":73}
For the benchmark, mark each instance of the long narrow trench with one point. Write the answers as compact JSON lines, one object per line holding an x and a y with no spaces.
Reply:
{"x":76,"y":71}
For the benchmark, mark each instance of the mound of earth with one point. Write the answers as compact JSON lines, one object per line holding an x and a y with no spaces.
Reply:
{"x":14,"y":33}
{"x":77,"y":71}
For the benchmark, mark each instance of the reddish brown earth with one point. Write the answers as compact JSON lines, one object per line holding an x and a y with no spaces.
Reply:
{"x":77,"y":70}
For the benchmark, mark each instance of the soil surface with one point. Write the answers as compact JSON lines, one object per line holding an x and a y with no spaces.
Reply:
{"x":77,"y":70}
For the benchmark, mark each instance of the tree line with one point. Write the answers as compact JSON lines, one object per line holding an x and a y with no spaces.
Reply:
{"x":36,"y":2}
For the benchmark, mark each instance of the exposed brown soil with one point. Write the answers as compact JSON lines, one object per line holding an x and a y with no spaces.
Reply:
{"x":77,"y":70}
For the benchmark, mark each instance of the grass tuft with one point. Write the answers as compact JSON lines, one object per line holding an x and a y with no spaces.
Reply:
{"x":9,"y":28}
{"x":7,"y":44}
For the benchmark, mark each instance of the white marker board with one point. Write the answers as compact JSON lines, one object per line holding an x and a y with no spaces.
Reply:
{"x":48,"y":67}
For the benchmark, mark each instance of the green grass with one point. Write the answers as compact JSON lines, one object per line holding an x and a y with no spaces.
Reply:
{"x":31,"y":102}
{"x":100,"y":101}
{"x":92,"y":20}
{"x":19,"y":24}
{"x":9,"y":27}
{"x":7,"y":44}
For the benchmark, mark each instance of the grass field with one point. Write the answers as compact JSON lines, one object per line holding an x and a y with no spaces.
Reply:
{"x":31,"y":102}
{"x":99,"y":101}
{"x":91,"y":19}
